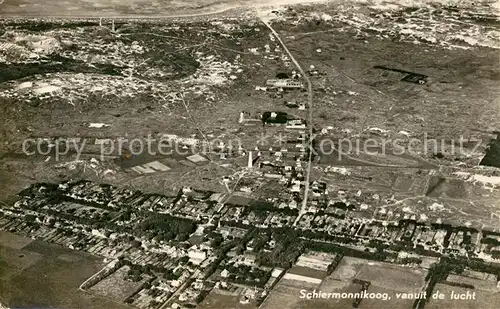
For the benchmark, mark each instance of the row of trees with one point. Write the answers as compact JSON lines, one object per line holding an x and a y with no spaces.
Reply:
{"x":287,"y":249}
{"x":166,"y":227}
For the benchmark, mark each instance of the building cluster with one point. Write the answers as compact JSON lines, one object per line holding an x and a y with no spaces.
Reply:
{"x":178,"y":248}
{"x":107,"y":222}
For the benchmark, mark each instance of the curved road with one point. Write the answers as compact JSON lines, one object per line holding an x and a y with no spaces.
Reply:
{"x":310,"y":120}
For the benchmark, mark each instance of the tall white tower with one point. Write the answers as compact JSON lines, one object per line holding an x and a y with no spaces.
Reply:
{"x":250,"y":159}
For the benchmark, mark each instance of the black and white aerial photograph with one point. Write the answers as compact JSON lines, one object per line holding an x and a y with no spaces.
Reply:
{"x":249,"y":154}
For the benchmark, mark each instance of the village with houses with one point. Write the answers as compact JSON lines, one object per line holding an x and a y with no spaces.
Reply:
{"x":251,"y":158}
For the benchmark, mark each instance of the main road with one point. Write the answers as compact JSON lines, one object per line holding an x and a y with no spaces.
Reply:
{"x":309,"y":122}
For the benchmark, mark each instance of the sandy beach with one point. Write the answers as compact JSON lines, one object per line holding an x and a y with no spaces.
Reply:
{"x":129,"y":8}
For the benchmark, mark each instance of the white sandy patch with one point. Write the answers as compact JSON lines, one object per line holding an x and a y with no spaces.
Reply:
{"x":98,"y":125}
{"x":407,"y":134}
{"x":338,"y":170}
{"x":20,"y":46}
{"x":24,"y":85}
{"x":436,"y":207}
{"x":46,"y":89}
{"x":493,"y":180}
{"x":212,"y":71}
{"x":488,"y":181}
{"x":378,"y":130}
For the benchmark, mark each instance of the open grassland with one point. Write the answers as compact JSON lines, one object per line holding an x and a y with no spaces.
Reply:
{"x":484,"y":299}
{"x":286,"y":294}
{"x":358,"y":96}
{"x":37,"y":274}
{"x":381,"y":274}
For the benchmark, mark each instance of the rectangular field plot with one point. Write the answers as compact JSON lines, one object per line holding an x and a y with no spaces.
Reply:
{"x":43,"y":275}
{"x":13,"y":241}
{"x":116,"y":286}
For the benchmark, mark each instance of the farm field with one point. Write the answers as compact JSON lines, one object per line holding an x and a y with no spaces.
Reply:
{"x":115,"y":286}
{"x":484,"y":299}
{"x":286,"y":294}
{"x":38,"y":274}
{"x":382,"y":277}
{"x":225,"y":300}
